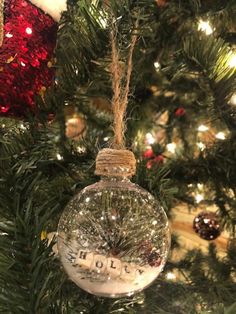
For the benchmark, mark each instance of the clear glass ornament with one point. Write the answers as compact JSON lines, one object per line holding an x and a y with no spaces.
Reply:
{"x":113,"y":238}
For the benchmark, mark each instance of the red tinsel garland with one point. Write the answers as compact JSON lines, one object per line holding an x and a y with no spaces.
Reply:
{"x":25,"y":56}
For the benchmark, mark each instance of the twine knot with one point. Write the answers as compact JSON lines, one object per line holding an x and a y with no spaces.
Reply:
{"x":115,"y":162}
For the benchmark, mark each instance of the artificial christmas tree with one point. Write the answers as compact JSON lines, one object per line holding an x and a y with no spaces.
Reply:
{"x":181,"y":109}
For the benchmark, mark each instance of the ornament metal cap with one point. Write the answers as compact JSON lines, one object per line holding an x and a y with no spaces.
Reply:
{"x":115,"y":162}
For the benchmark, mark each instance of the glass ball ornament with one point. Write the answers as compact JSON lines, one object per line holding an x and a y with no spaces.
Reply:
{"x":113,"y":238}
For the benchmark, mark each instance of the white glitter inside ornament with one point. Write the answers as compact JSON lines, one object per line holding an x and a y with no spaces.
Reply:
{"x":113,"y":238}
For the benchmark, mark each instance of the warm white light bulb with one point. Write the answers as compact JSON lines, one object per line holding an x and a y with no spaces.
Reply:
{"x":200,"y":186}
{"x":232,"y":100}
{"x":203,"y":128}
{"x":205,"y":27}
{"x":170,"y":276}
{"x":199,"y":198}
{"x":150,"y":139}
{"x":220,"y":136}
{"x":59,"y":157}
{"x":201,"y":146}
{"x":157,"y":65}
{"x":81,"y":149}
{"x":171,"y":147}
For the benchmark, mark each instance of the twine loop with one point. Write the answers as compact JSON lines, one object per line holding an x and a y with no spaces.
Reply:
{"x":115,"y":162}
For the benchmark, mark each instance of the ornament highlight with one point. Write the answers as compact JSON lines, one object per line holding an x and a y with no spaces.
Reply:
{"x":113,"y":237}
{"x":206,"y":225}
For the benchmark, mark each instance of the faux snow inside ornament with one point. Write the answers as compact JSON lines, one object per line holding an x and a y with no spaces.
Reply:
{"x":113,"y":237}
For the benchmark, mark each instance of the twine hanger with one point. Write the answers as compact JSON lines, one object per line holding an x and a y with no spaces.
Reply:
{"x":118,"y":161}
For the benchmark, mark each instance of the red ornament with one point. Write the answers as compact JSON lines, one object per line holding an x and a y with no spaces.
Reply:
{"x":158,"y":160}
{"x":180,"y":112}
{"x":25,"y":56}
{"x":148,"y":153}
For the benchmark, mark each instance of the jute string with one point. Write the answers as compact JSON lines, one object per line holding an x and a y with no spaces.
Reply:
{"x":1,"y":21}
{"x":117,"y":161}
{"x":120,"y":91}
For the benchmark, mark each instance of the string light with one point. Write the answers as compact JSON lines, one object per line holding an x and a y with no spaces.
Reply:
{"x":59,"y":157}
{"x":205,"y":26}
{"x":199,"y":198}
{"x":200,"y":186}
{"x":3,"y":233}
{"x":203,"y":128}
{"x":150,"y":139}
{"x":157,"y":65}
{"x":171,"y":147}
{"x":201,"y":146}
{"x":220,"y":136}
{"x":81,"y":149}
{"x":232,"y":100}
{"x":170,"y":276}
